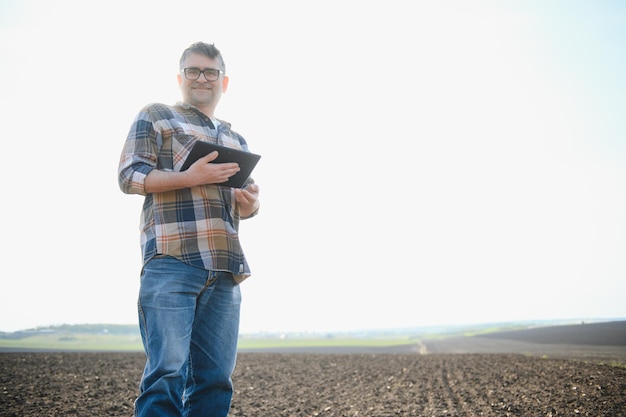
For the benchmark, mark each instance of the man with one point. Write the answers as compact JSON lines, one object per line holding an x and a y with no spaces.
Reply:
{"x":189,"y":296}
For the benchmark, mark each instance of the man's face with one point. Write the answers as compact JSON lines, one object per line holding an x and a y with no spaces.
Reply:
{"x":202,"y":92}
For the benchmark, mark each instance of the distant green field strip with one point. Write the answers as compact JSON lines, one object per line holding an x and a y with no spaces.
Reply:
{"x":88,"y":341}
{"x":75,"y":342}
{"x":254,"y":343}
{"x":494,"y":329}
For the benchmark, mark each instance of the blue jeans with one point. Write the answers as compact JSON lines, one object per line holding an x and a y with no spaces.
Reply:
{"x":189,"y":323}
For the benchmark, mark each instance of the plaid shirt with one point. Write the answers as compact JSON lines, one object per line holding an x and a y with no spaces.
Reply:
{"x":197,"y":225}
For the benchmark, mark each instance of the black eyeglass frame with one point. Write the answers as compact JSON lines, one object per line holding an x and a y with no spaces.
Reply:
{"x":213,"y":72}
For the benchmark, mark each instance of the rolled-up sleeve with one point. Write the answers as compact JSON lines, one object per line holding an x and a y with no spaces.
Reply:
{"x":139,"y":156}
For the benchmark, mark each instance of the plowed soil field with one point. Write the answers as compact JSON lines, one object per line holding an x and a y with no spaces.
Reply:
{"x":308,"y":384}
{"x":537,"y":373}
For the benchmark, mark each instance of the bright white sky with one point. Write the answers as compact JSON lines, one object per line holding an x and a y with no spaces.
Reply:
{"x":431,"y":162}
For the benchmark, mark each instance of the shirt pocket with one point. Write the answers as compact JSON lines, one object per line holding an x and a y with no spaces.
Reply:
{"x":229,"y":141}
{"x":181,"y":147}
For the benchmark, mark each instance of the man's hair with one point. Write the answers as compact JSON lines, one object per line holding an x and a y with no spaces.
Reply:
{"x":202,"y":48}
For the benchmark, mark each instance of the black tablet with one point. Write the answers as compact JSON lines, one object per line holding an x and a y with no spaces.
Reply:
{"x":246,"y":160}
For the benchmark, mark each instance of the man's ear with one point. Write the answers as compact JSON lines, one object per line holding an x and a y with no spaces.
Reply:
{"x":180,"y":79}
{"x":224,"y":83}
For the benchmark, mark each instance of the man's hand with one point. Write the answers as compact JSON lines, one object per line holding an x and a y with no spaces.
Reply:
{"x":248,"y":199}
{"x":204,"y":172}
{"x":200,"y":172}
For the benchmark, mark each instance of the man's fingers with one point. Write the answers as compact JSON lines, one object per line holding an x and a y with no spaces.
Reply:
{"x":210,"y":157}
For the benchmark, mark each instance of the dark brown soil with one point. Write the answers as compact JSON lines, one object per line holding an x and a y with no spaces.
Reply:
{"x":305,"y":384}
{"x":466,"y":377}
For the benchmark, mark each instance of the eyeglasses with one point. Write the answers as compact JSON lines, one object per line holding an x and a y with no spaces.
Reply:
{"x":211,"y":74}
